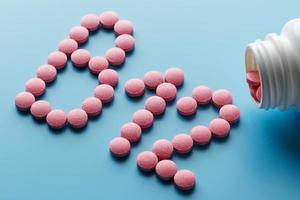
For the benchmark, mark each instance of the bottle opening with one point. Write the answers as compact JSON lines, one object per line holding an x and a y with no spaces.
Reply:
{"x":253,"y":76}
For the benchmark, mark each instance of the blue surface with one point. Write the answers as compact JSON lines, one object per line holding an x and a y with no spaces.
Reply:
{"x":260,"y":159}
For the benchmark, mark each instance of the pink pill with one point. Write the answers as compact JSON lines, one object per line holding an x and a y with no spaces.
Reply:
{"x":131,"y":131}
{"x":186,"y":106}
{"x":201,"y":135}
{"x":202,"y":95}
{"x":108,"y":76}
{"x":143,"y":118}
{"x":123,"y":27}
{"x":166,"y":169}
{"x":108,"y":19}
{"x":134,"y":87}
{"x":24,"y":100}
{"x":152,"y":79}
{"x":77,"y":118}
{"x":40,"y":109}
{"x":156,"y":105}
{"x":115,"y":56}
{"x":163,"y":149}
{"x":182,"y":143}
{"x":67,"y":46}
{"x":97,"y":64}
{"x":80,"y":34}
{"x":146,"y":160}
{"x":253,"y":90}
{"x":221,"y":98}
{"x":57,"y":59}
{"x":90,"y":21}
{"x":184,"y":179}
{"x":104,"y":92}
{"x":220,"y":128}
{"x":174,"y":76}
{"x":230,"y":113}
{"x":167,"y":91}
{"x":119,"y":147}
{"x":56,"y":119}
{"x":92,"y":106}
{"x":125,"y":42}
{"x":253,"y":78}
{"x":47,"y":73}
{"x":35,"y":86}
{"x":258,"y":94}
{"x":80,"y":58}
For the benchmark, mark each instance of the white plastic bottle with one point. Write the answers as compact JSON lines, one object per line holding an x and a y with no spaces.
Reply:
{"x":277,"y":60}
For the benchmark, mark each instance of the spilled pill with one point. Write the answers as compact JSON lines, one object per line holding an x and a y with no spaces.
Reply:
{"x":143,"y":118}
{"x":35,"y":86}
{"x":167,"y":91}
{"x":104,"y":92}
{"x":108,"y":19}
{"x":90,"y":21}
{"x":40,"y":109}
{"x":77,"y":118}
{"x":92,"y":106}
{"x":57,"y":59}
{"x":166,"y":169}
{"x":182,"y":143}
{"x":108,"y":76}
{"x":119,"y":147}
{"x":125,"y":42}
{"x":186,"y":106}
{"x":79,"y":33}
{"x":67,"y":46}
{"x":184,"y":179}
{"x":146,"y":161}
{"x":24,"y":100}
{"x":123,"y":27}
{"x":152,"y":79}
{"x":230,"y":113}
{"x":115,"y":56}
{"x":201,"y":135}
{"x":80,"y":58}
{"x":175,"y":76}
{"x":56,"y":119}
{"x":156,"y":105}
{"x":97,"y":64}
{"x":202,"y":94}
{"x":134,"y":87}
{"x":131,"y":131}
{"x":163,"y":149}
{"x":47,"y":73}
{"x":221,"y":97}
{"x":220,"y":128}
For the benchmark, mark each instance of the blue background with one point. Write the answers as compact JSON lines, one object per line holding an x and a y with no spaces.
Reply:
{"x":260,"y":159}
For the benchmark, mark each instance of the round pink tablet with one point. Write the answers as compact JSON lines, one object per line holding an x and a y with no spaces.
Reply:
{"x":80,"y":58}
{"x":104,"y":92}
{"x":24,"y":100}
{"x":77,"y":118}
{"x":230,"y":113}
{"x":35,"y":86}
{"x":119,"y":147}
{"x":97,"y":64}
{"x":47,"y":73}
{"x":156,"y":105}
{"x":174,"y":76}
{"x":135,"y":87}
{"x":221,"y":97}
{"x":108,"y":19}
{"x":92,"y":106}
{"x":152,"y":79}
{"x":123,"y":27}
{"x":56,"y":119}
{"x":201,"y":135}
{"x":57,"y":59}
{"x":125,"y":42}
{"x":182,"y":143}
{"x":40,"y":109}
{"x":90,"y":21}
{"x":115,"y":56}
{"x":219,"y":127}
{"x":143,"y":118}
{"x":167,"y":91}
{"x":166,"y":169}
{"x":131,"y":131}
{"x":202,"y":94}
{"x":146,"y":160}
{"x":253,"y":78}
{"x":258,"y":94}
{"x":163,"y":149}
{"x":108,"y":76}
{"x":184,"y":179}
{"x":186,"y":106}
{"x":80,"y":34}
{"x":67,"y":46}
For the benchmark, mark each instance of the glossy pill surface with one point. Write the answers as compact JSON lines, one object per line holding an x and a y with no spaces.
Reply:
{"x":40,"y":109}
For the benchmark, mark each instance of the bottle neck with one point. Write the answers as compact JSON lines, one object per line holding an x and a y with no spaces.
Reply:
{"x":277,"y":65}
